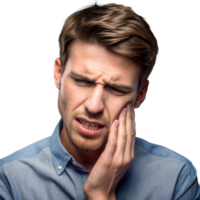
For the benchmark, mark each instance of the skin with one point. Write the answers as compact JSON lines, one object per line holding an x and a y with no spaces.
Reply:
{"x":108,"y":155}
{"x":114,"y":160}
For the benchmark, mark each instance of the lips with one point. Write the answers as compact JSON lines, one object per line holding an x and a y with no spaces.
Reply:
{"x":85,"y":131}
{"x":80,"y":119}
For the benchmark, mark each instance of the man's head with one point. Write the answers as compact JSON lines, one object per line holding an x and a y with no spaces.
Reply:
{"x":117,"y":28}
{"x":101,"y":50}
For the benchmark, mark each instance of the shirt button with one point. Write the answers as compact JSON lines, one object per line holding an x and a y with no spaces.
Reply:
{"x":73,"y":163}
{"x":59,"y":167}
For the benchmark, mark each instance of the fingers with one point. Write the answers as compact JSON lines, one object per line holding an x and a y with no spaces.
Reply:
{"x":136,"y":122}
{"x":126,"y":136}
{"x":112,"y":141}
{"x":121,"y":140}
{"x":121,"y":137}
{"x":134,"y":134}
{"x":130,"y":135}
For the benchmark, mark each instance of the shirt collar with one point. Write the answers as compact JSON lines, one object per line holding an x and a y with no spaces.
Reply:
{"x":60,"y":156}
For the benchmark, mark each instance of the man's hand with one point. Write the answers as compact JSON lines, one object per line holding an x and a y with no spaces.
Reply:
{"x":114,"y":160}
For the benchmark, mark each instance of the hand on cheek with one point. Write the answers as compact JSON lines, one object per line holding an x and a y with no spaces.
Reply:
{"x":115,"y":159}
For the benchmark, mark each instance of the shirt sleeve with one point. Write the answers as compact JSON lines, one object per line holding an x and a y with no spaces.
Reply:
{"x":187,"y":186}
{"x":5,"y":192}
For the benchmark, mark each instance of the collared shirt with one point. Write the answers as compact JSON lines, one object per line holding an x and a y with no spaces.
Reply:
{"x":46,"y":171}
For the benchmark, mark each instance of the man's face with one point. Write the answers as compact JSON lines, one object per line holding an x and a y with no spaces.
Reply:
{"x":96,"y":99}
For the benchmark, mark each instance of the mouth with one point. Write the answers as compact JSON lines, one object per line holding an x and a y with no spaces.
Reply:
{"x":89,"y":122}
{"x":81,"y":122}
{"x":86,"y":128}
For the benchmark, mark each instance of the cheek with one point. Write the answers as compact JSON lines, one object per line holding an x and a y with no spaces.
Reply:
{"x":75,"y":94}
{"x":71,"y":94}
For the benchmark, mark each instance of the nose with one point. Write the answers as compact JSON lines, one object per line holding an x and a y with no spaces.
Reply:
{"x":95,"y":102}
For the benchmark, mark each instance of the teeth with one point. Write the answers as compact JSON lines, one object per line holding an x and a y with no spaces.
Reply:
{"x":89,"y":126}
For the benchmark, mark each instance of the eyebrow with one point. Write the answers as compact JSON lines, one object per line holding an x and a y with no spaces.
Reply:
{"x":113,"y":85}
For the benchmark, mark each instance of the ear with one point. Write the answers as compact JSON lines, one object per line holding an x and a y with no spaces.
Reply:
{"x":142,"y":95}
{"x":57,"y":72}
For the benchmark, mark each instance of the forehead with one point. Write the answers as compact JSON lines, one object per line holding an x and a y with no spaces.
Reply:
{"x":100,"y":64}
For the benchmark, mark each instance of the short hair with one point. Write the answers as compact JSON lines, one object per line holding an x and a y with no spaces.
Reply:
{"x":117,"y":28}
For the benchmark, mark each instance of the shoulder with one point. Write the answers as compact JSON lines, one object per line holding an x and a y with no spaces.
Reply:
{"x":27,"y":151}
{"x":159,"y":151}
{"x":157,"y":168}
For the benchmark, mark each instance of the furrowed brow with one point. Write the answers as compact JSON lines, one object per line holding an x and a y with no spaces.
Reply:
{"x":112,"y":85}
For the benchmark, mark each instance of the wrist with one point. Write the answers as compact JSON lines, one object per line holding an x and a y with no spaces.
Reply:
{"x":102,"y":198}
{"x":98,"y":197}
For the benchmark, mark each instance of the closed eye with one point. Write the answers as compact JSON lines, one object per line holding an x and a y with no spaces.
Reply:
{"x":83,"y":81}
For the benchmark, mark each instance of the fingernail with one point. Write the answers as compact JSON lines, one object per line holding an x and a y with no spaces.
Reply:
{"x":117,"y":124}
{"x":124,"y":111}
{"x":129,"y":107}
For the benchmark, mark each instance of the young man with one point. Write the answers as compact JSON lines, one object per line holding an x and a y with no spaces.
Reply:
{"x":106,"y":55}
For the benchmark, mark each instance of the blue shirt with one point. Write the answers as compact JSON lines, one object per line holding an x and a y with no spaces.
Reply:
{"x":46,"y":171}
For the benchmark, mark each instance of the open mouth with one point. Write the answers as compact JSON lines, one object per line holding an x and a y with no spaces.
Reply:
{"x":89,"y":130}
{"x":89,"y":125}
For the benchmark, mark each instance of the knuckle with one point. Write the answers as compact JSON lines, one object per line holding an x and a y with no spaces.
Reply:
{"x":132,"y":156}
{"x":127,"y":160}
{"x":123,"y":135}
{"x":106,"y":162}
{"x":130,"y":132}
{"x":119,"y":163}
{"x":112,"y":143}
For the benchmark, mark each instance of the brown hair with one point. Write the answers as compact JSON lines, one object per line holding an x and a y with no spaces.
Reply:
{"x":116,"y":27}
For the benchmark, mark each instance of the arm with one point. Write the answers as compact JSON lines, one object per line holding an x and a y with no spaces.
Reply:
{"x":187,"y":187}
